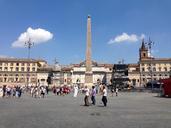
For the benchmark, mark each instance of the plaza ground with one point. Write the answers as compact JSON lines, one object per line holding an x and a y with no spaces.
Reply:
{"x":129,"y":110}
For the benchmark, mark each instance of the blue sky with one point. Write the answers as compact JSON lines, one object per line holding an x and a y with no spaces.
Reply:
{"x":66,"y":20}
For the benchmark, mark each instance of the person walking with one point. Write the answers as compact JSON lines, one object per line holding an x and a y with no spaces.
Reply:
{"x":112,"y":91}
{"x":104,"y":96}
{"x":4,"y":90}
{"x":116,"y":91}
{"x":93,"y":94}
{"x":47,"y":90}
{"x":86,"y":96}
{"x":75,"y":90}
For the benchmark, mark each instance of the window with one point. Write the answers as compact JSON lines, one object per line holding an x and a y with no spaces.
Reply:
{"x":0,"y":64}
{"x":11,"y":68}
{"x":142,"y":64}
{"x":33,"y":64}
{"x":154,"y":69}
{"x":28,"y":64}
{"x":0,"y":68}
{"x":33,"y":69}
{"x":144,"y":54}
{"x":6,"y":68}
{"x":143,"y":69}
{"x":22,"y":69}
{"x":11,"y":64}
{"x":17,"y":64}
{"x":22,"y":64}
{"x":28,"y":69}
{"x":17,"y":69}
{"x":165,"y":69}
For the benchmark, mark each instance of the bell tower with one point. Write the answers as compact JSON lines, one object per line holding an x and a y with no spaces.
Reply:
{"x":143,"y":51}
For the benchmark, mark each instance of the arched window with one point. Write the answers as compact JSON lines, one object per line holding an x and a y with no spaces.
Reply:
{"x":144,"y":54}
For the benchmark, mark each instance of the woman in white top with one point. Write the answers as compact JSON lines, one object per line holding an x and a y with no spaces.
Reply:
{"x":104,"y":97}
{"x":86,"y":96}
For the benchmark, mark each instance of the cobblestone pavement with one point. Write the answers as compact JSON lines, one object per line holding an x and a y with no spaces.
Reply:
{"x":129,"y":110}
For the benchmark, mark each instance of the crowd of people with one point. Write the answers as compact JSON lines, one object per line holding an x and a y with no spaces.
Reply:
{"x":61,"y":90}
{"x":91,"y":94}
{"x":38,"y":91}
{"x":9,"y":91}
{"x":42,"y":91}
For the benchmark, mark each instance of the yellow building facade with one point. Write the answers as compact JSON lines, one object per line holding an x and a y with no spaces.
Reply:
{"x":15,"y":71}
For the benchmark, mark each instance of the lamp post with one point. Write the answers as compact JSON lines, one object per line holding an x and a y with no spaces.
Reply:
{"x":28,"y":44}
{"x":150,"y":43}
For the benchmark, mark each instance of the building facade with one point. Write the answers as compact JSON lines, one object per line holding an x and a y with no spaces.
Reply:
{"x":152,"y":69}
{"x":134,"y":75}
{"x":101,"y":73}
{"x":22,"y":72}
{"x":14,"y":71}
{"x":148,"y":68}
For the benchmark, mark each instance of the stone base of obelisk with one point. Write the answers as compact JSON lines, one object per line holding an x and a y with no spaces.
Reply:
{"x":88,"y":79}
{"x":89,"y":85}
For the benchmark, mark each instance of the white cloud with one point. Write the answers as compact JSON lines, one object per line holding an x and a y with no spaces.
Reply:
{"x":126,"y":38}
{"x":36,"y":35}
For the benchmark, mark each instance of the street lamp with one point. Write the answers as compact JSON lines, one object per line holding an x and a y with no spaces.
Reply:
{"x":150,"y":43}
{"x":28,"y":44}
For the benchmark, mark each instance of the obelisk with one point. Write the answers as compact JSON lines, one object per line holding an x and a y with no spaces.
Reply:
{"x":88,"y":73}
